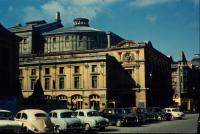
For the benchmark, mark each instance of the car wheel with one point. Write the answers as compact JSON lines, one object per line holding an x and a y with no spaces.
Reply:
{"x":172,"y":117}
{"x":102,"y":128}
{"x":24,"y":130}
{"x":87,"y":127}
{"x":119,"y":123}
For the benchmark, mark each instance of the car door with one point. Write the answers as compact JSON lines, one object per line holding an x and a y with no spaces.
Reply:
{"x":81,"y":116}
{"x":54,"y":118}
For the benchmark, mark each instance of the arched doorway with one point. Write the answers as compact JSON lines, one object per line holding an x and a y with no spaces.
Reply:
{"x":76,"y":101}
{"x":61,"y":97}
{"x":94,"y":101}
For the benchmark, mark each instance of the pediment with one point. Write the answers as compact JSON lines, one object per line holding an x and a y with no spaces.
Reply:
{"x":127,"y":43}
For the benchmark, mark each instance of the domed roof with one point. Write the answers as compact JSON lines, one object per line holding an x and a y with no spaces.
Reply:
{"x":80,"y":25}
{"x":196,"y":60}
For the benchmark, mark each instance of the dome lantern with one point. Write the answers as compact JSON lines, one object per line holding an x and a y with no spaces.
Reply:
{"x":81,"y":22}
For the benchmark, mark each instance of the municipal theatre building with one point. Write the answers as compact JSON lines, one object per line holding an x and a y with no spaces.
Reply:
{"x":91,"y":68}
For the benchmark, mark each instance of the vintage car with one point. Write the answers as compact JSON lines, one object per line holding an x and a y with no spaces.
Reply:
{"x":64,"y":121}
{"x":35,"y":120}
{"x":175,"y":112}
{"x":122,"y":116}
{"x":7,"y":122}
{"x":149,"y":116}
{"x":91,"y":119}
{"x":161,"y":115}
{"x":198,"y":124}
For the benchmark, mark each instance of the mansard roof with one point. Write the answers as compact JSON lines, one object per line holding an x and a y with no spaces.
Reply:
{"x":5,"y":33}
{"x":39,"y":25}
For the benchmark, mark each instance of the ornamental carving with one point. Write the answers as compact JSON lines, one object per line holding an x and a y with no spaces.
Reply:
{"x":128,"y":57}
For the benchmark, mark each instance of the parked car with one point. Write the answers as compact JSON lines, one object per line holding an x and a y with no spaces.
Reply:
{"x":161,"y":115}
{"x":175,"y":112}
{"x":122,"y":116}
{"x":91,"y":119}
{"x":64,"y":120}
{"x":35,"y":120}
{"x":198,"y":124}
{"x":150,"y":116}
{"x":7,"y":122}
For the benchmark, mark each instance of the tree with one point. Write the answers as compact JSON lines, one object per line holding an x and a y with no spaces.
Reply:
{"x":38,"y":93}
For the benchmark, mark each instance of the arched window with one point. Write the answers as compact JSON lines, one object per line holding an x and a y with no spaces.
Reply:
{"x":94,"y":101}
{"x":76,"y":101}
{"x":48,"y":97}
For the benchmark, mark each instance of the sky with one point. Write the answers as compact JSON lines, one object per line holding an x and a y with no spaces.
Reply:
{"x":171,"y":25}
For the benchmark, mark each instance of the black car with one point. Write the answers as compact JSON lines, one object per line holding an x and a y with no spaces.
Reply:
{"x":198,"y":124}
{"x":150,"y":116}
{"x":121,"y":116}
{"x":160,"y":114}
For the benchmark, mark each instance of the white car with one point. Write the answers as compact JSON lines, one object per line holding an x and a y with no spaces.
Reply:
{"x":35,"y":120}
{"x":91,"y":119}
{"x":7,"y":122}
{"x":64,"y":121}
{"x":175,"y":112}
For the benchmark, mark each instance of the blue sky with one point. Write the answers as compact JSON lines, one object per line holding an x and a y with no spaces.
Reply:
{"x":171,"y":25}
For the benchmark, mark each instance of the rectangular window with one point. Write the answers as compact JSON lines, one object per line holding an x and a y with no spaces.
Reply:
{"x":76,"y":82}
{"x":32,"y":84}
{"x":33,"y":72}
{"x":61,"y":70}
{"x":54,"y":40}
{"x":94,"y":68}
{"x":47,"y":71}
{"x":21,"y":83}
{"x":47,"y":84}
{"x":76,"y":69}
{"x":20,"y":72}
{"x":94,"y":81}
{"x":61,"y":82}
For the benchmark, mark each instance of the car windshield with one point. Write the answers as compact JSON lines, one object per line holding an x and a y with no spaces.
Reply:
{"x":127,"y":111}
{"x":40,"y":115}
{"x":5,"y":115}
{"x":93,"y":113}
{"x":141,"y":110}
{"x":74,"y":114}
{"x":154,"y":110}
{"x":66,"y":114}
{"x":175,"y":110}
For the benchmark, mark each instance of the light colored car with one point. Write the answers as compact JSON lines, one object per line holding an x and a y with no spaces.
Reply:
{"x":64,"y":121}
{"x":35,"y":120}
{"x":7,"y":122}
{"x":175,"y":112}
{"x":91,"y":119}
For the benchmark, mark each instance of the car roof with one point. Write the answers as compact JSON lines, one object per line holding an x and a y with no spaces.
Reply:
{"x":2,"y":110}
{"x":86,"y":110}
{"x":61,"y":110}
{"x":32,"y":111}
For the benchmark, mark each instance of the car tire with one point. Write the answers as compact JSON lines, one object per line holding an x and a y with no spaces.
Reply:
{"x":87,"y":127}
{"x":102,"y":128}
{"x":119,"y":123}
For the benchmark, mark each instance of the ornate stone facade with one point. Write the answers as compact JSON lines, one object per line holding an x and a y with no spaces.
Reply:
{"x":93,"y":68}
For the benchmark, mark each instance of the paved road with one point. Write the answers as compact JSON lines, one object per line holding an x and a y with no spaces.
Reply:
{"x":187,"y":125}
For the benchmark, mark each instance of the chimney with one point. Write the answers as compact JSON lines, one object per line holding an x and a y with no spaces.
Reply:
{"x":58,"y":16}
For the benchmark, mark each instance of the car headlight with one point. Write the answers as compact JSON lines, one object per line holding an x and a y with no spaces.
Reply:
{"x":106,"y":120}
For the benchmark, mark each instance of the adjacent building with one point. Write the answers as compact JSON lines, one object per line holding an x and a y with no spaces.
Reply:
{"x":185,"y":83}
{"x":91,"y":68}
{"x":9,"y":48}
{"x":9,"y":86}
